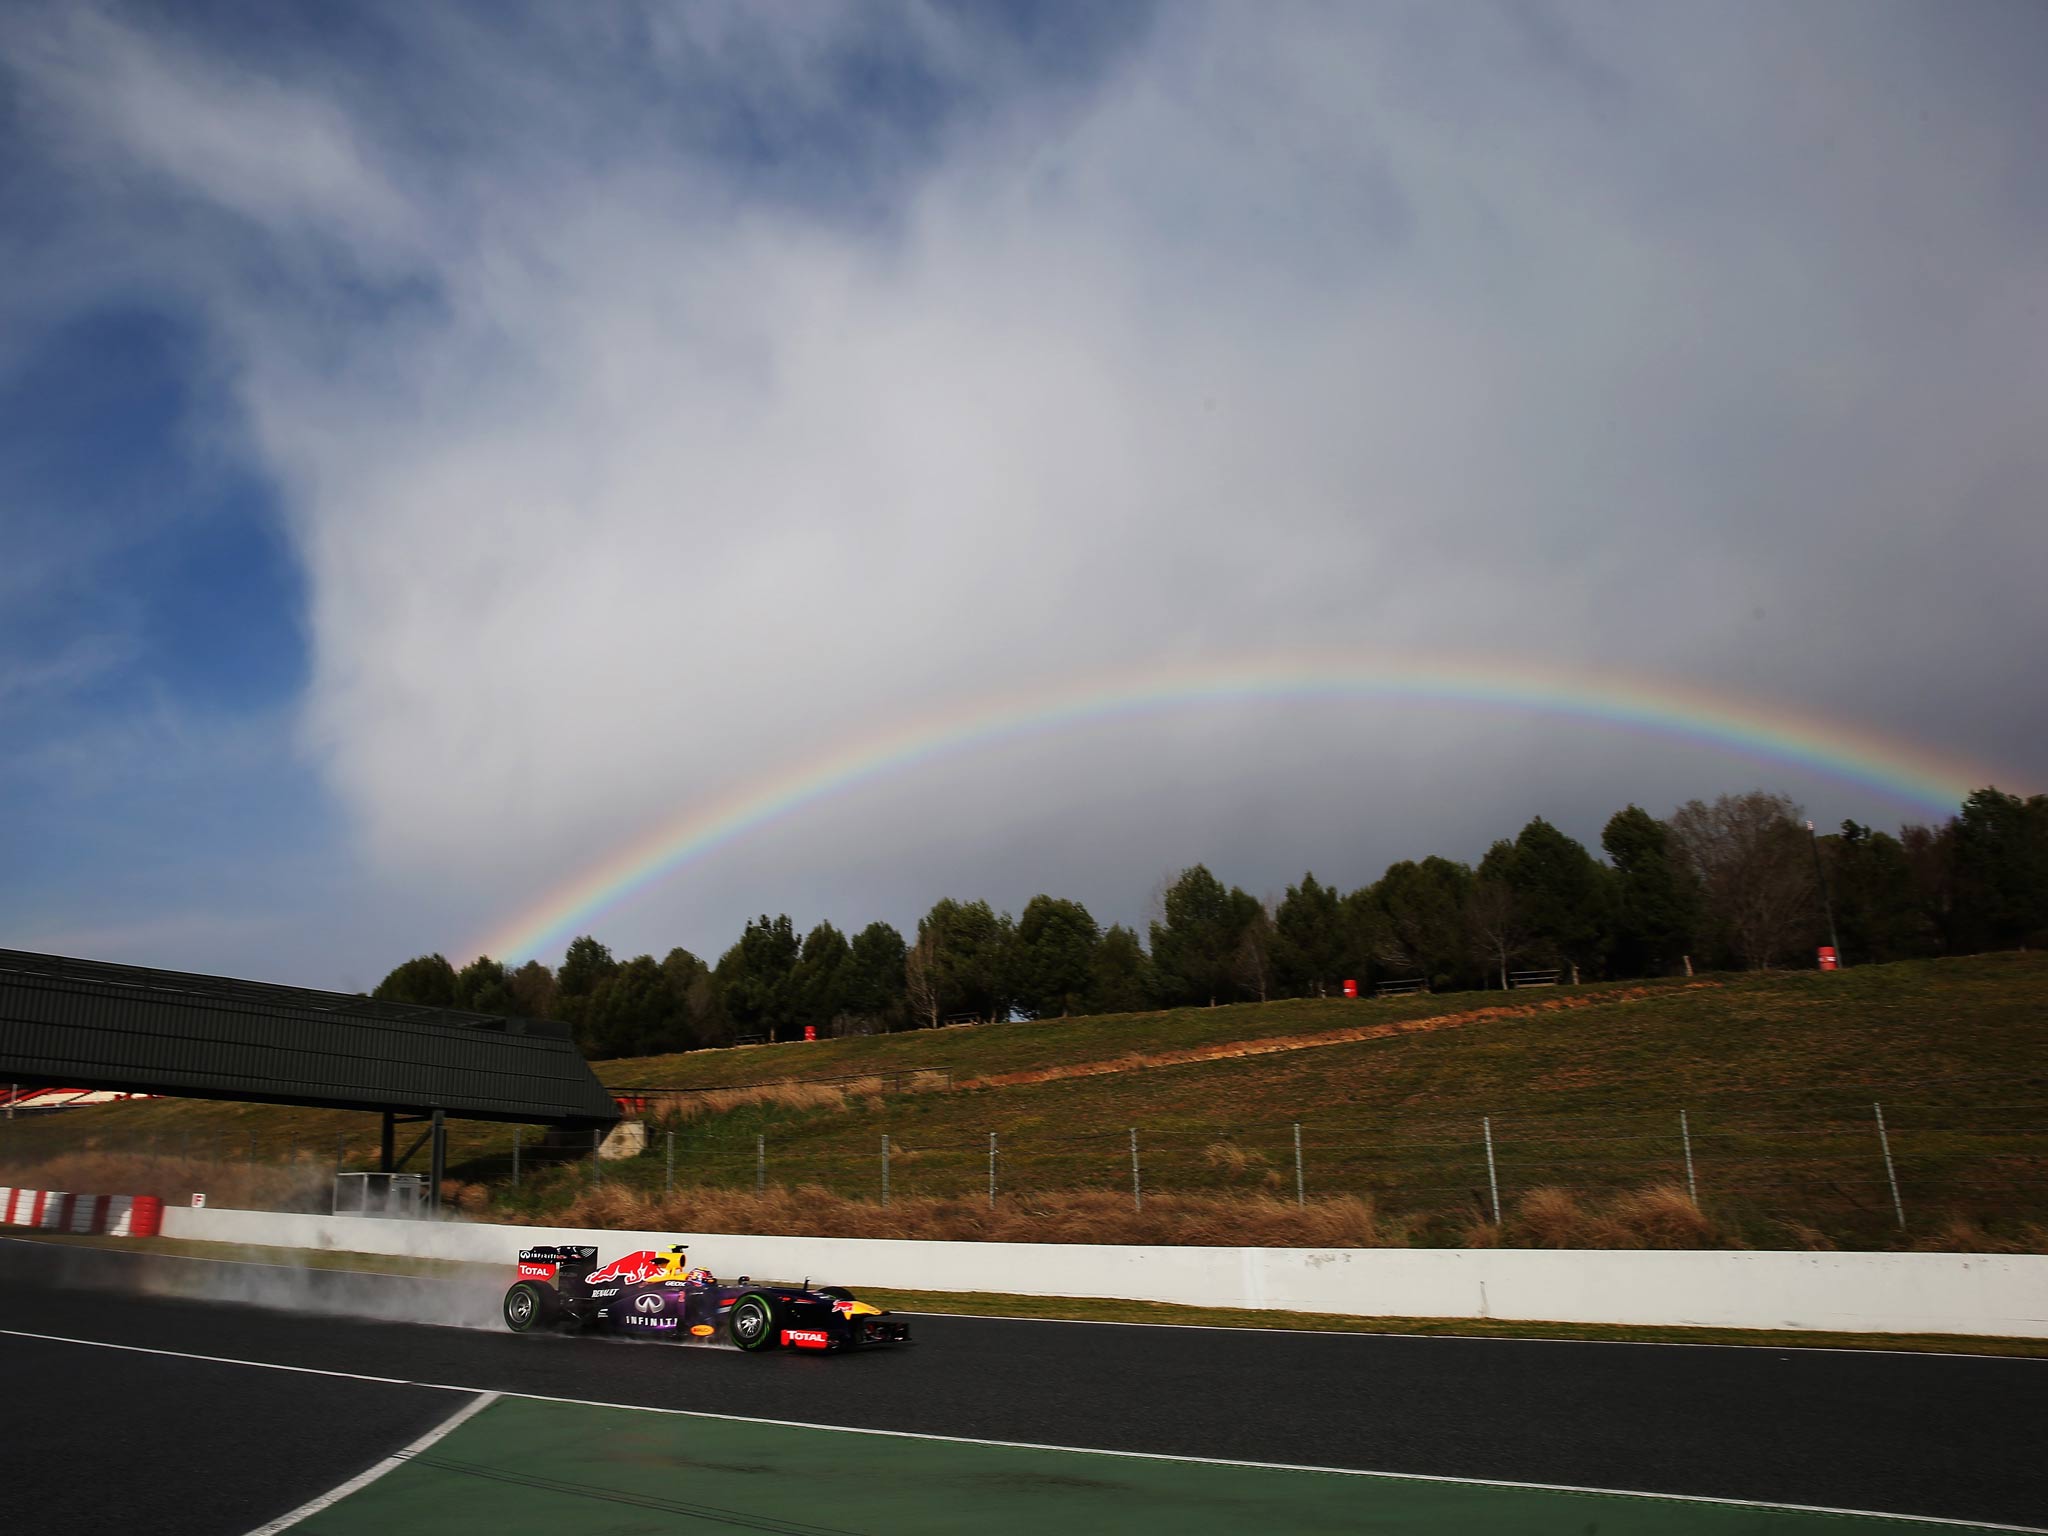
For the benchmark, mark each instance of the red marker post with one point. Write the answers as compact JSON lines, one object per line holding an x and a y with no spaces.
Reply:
{"x":1351,"y":989}
{"x":1827,"y":957}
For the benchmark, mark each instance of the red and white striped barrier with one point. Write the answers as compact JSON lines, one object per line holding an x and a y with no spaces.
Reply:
{"x":54,"y":1210}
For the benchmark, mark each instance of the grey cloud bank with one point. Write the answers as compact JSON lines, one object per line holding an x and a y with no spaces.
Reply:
{"x":632,"y":456}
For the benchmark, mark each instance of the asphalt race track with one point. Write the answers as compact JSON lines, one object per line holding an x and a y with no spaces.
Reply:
{"x":181,"y":1445}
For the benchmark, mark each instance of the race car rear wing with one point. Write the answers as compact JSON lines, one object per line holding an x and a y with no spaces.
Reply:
{"x":560,"y":1263}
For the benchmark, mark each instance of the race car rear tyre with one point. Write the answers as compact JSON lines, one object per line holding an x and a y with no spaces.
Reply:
{"x":751,"y":1322}
{"x":530,"y":1307}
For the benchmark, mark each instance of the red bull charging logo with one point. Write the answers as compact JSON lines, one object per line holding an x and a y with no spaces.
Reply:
{"x":633,"y":1269}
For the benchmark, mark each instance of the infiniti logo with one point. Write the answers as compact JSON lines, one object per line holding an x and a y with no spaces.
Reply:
{"x":650,"y":1303}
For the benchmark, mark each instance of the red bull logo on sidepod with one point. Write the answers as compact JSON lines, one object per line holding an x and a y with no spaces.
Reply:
{"x":633,"y":1269}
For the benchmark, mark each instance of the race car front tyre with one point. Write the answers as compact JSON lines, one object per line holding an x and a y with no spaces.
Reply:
{"x":752,"y":1322}
{"x":529,"y":1307}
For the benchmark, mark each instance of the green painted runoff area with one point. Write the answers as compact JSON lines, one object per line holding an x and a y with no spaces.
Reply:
{"x":525,"y":1466}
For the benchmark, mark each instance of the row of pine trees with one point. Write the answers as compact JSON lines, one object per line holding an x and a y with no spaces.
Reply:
{"x":1740,"y":882}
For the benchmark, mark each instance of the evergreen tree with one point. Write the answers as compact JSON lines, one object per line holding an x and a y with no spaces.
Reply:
{"x":821,"y":979}
{"x":1876,"y":908}
{"x":966,"y":959}
{"x":1930,"y":857}
{"x":1313,"y":946}
{"x":1195,"y":951}
{"x":1421,"y":929}
{"x":635,"y":1011}
{"x":874,"y":978}
{"x":1120,"y":977}
{"x":586,"y":964}
{"x":1366,"y":935}
{"x":2001,"y":871}
{"x":586,"y":967}
{"x":428,"y":981}
{"x":533,"y":991}
{"x":690,"y":979}
{"x":757,"y":979}
{"x":1563,"y":891}
{"x":482,"y":987}
{"x":1056,"y":942}
{"x":1657,"y":895}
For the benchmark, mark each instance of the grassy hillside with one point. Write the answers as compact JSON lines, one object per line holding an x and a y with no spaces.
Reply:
{"x":1583,"y":1089}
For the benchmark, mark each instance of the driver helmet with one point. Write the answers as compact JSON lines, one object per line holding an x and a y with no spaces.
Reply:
{"x":700,"y":1276}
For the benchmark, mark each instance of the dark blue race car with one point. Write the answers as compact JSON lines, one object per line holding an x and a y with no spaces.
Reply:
{"x":657,"y":1295}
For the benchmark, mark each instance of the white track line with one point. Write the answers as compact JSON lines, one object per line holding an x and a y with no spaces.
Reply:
{"x":390,"y":1463}
{"x":1033,"y":1445}
{"x":261,"y":1365}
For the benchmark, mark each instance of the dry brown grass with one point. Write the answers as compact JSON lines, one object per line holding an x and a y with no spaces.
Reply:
{"x":1658,"y":1216}
{"x":1812,"y":1239}
{"x":1082,"y":1216}
{"x":304,"y":1186}
{"x":1229,"y":1155}
{"x":1268,"y":1045}
{"x":1961,"y":1234}
{"x":719,"y":1101}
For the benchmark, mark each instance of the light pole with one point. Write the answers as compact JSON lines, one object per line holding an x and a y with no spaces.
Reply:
{"x":1827,"y":902}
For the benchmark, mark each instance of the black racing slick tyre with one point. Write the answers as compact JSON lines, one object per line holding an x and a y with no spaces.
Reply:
{"x":529,"y":1307}
{"x":751,"y":1323}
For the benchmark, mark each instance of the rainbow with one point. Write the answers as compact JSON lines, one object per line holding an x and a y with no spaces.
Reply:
{"x":1927,"y":781}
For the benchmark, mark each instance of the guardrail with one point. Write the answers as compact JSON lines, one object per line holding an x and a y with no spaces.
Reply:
{"x":56,"y":1210}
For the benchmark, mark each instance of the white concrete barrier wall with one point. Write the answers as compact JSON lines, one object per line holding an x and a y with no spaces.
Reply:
{"x":1991,"y":1294}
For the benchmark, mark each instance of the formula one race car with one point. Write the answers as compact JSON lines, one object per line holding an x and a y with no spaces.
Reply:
{"x":657,"y":1295}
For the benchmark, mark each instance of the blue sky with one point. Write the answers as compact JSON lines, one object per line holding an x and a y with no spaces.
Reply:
{"x":153,"y":645}
{"x":436,"y":445}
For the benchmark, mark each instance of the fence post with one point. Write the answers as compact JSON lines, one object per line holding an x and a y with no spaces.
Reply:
{"x":1137,"y":1183}
{"x":668,"y":1167}
{"x":340,"y":1149}
{"x":885,"y":1168}
{"x":1300,"y":1188}
{"x":596,"y":1143}
{"x":515,"y":1154}
{"x":252,"y":1149}
{"x":761,"y":1163}
{"x":1692,"y":1189}
{"x":1492,"y":1177}
{"x":1890,"y":1173}
{"x":14,"y":1092}
{"x":437,"y":1162}
{"x":991,"y":1170}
